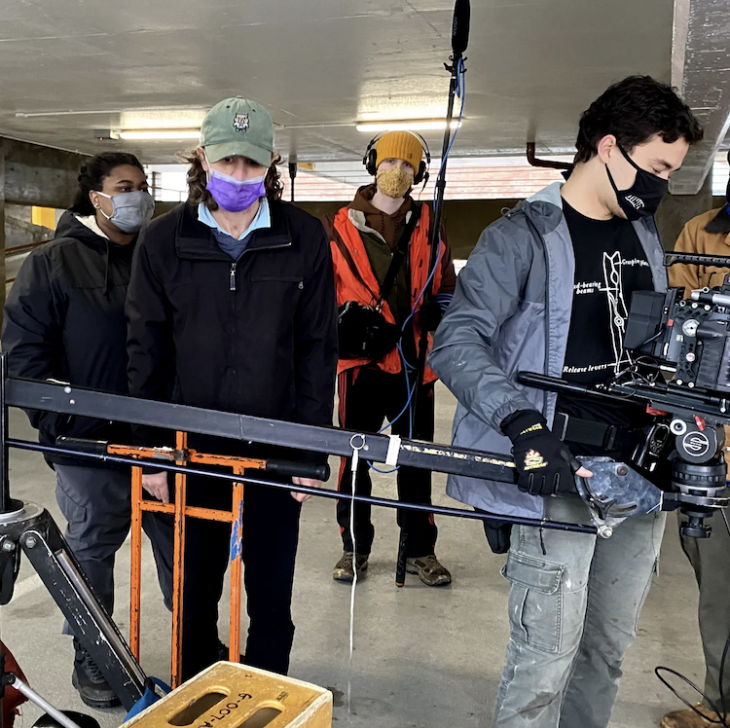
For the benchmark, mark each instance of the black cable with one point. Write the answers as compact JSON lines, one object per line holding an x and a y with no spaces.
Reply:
{"x":721,"y":722}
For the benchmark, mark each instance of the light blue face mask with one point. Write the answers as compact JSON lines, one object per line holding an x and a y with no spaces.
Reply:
{"x":130,"y":210}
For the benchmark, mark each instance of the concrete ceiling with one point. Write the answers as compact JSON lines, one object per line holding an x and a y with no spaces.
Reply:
{"x":72,"y":67}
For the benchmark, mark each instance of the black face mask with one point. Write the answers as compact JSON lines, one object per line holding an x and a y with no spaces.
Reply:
{"x":643,"y":197}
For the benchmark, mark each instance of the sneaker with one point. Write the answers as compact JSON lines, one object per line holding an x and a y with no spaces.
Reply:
{"x":429,"y":570}
{"x":689,"y":719}
{"x":93,"y":688}
{"x":343,"y":570}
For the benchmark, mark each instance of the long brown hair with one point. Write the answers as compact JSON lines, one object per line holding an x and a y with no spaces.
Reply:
{"x":197,"y":179}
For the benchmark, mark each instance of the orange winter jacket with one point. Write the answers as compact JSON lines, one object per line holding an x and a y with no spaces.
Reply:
{"x":356,"y":281}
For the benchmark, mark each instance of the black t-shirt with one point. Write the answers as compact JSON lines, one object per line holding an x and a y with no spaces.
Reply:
{"x":610,"y":265}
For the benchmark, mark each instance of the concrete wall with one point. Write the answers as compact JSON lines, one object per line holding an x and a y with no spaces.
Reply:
{"x":466,"y":219}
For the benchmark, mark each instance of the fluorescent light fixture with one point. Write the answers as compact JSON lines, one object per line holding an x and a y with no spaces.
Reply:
{"x":157,"y":134}
{"x":378,"y":126}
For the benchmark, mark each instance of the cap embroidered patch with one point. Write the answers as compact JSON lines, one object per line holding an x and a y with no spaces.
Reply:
{"x":240,"y":122}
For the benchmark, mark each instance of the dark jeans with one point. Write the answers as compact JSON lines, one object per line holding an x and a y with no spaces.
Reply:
{"x":270,"y":537}
{"x":96,"y":503}
{"x":367,"y":397}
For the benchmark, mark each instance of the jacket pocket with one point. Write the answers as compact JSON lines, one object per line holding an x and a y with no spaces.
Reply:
{"x":535,"y":602}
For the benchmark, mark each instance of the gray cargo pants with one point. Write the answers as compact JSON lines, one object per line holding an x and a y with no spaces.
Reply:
{"x":96,"y":503}
{"x":710,"y":558}
{"x":573,"y":613}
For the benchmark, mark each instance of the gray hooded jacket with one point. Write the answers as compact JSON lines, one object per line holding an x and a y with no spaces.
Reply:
{"x":511,"y":313}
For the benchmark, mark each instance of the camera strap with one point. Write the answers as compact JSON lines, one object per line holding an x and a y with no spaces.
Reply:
{"x":399,"y":254}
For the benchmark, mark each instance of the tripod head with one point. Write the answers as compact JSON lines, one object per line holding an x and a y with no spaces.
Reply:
{"x":676,"y":464}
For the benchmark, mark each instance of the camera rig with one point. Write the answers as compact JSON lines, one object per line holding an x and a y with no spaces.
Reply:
{"x":680,"y":375}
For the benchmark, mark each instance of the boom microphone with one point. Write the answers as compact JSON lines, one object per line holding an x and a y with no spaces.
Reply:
{"x":460,"y":28}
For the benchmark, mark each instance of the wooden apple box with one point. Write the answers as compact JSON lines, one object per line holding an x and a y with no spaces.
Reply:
{"x":227,"y":695}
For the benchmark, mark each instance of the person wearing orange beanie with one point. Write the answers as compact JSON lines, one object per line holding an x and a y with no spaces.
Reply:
{"x":383,"y":222}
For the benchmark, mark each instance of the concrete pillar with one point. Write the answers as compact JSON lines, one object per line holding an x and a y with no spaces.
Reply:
{"x":3,"y":151}
{"x":677,"y":210}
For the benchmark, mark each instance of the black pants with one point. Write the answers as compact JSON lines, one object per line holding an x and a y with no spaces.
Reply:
{"x":97,"y":505}
{"x":270,"y":537}
{"x":367,"y":397}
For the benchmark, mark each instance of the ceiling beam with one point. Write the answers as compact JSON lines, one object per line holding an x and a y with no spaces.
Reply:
{"x":40,"y":175}
{"x":701,"y":73}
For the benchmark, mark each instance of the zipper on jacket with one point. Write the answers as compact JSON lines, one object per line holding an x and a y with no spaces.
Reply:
{"x":234,"y":266}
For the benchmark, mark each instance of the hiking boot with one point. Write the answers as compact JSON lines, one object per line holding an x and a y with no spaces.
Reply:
{"x":689,"y":719}
{"x":344,"y":571}
{"x":429,"y":570}
{"x":93,"y":688}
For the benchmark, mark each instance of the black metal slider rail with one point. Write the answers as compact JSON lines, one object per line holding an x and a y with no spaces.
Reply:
{"x":65,"y":399}
{"x":229,"y":477}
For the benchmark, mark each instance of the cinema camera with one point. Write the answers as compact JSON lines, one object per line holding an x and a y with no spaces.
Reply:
{"x":680,"y":375}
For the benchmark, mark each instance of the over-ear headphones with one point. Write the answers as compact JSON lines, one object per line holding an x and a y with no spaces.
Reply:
{"x":371,"y":157}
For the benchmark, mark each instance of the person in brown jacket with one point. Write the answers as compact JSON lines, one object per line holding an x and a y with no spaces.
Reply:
{"x":384,"y":222}
{"x":709,"y":234}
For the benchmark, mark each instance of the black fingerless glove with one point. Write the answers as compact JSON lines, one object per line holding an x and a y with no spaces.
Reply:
{"x":544,"y":463}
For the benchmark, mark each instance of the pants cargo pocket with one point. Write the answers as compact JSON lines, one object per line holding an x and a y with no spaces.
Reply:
{"x":73,"y":511}
{"x":535,"y":602}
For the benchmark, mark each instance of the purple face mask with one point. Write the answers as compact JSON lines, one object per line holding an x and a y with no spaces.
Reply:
{"x":234,"y":195}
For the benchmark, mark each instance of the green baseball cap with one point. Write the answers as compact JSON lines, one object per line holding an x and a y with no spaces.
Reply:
{"x":238,"y":127}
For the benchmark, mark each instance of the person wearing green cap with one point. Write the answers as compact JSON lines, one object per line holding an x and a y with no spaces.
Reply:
{"x":232,"y":307}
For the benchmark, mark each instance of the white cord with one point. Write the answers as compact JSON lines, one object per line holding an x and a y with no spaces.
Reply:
{"x":355,"y":461}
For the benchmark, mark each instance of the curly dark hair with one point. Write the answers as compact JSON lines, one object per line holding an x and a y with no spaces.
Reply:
{"x":197,"y":179}
{"x":92,"y":176}
{"x":634,"y":110}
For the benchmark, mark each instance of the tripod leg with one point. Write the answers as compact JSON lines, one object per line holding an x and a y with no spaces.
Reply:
{"x":57,"y":567}
{"x":43,"y":704}
{"x":400,"y":563}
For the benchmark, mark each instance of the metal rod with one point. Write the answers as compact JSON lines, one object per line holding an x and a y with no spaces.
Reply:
{"x":5,"y":504}
{"x":65,"y":399}
{"x":106,"y":626}
{"x":234,"y":642}
{"x":561,"y":386}
{"x":321,"y":492}
{"x":533,"y":161}
{"x":43,"y":704}
{"x":721,"y":261}
{"x":178,"y":567}
{"x":435,"y":233}
{"x":135,"y":596}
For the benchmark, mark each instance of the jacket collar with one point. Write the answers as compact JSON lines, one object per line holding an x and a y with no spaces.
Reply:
{"x":195,"y":240}
{"x":720,"y":223}
{"x":545,"y":210}
{"x":359,"y":220}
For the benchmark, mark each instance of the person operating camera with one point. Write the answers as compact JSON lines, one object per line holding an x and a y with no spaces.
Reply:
{"x":548,"y":290}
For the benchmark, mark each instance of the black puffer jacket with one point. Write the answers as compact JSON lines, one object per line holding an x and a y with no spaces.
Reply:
{"x":64,"y":319}
{"x":256,"y":336}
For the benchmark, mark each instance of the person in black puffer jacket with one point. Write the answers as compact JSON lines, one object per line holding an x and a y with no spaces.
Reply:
{"x":64,"y":320}
{"x":232,"y":307}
